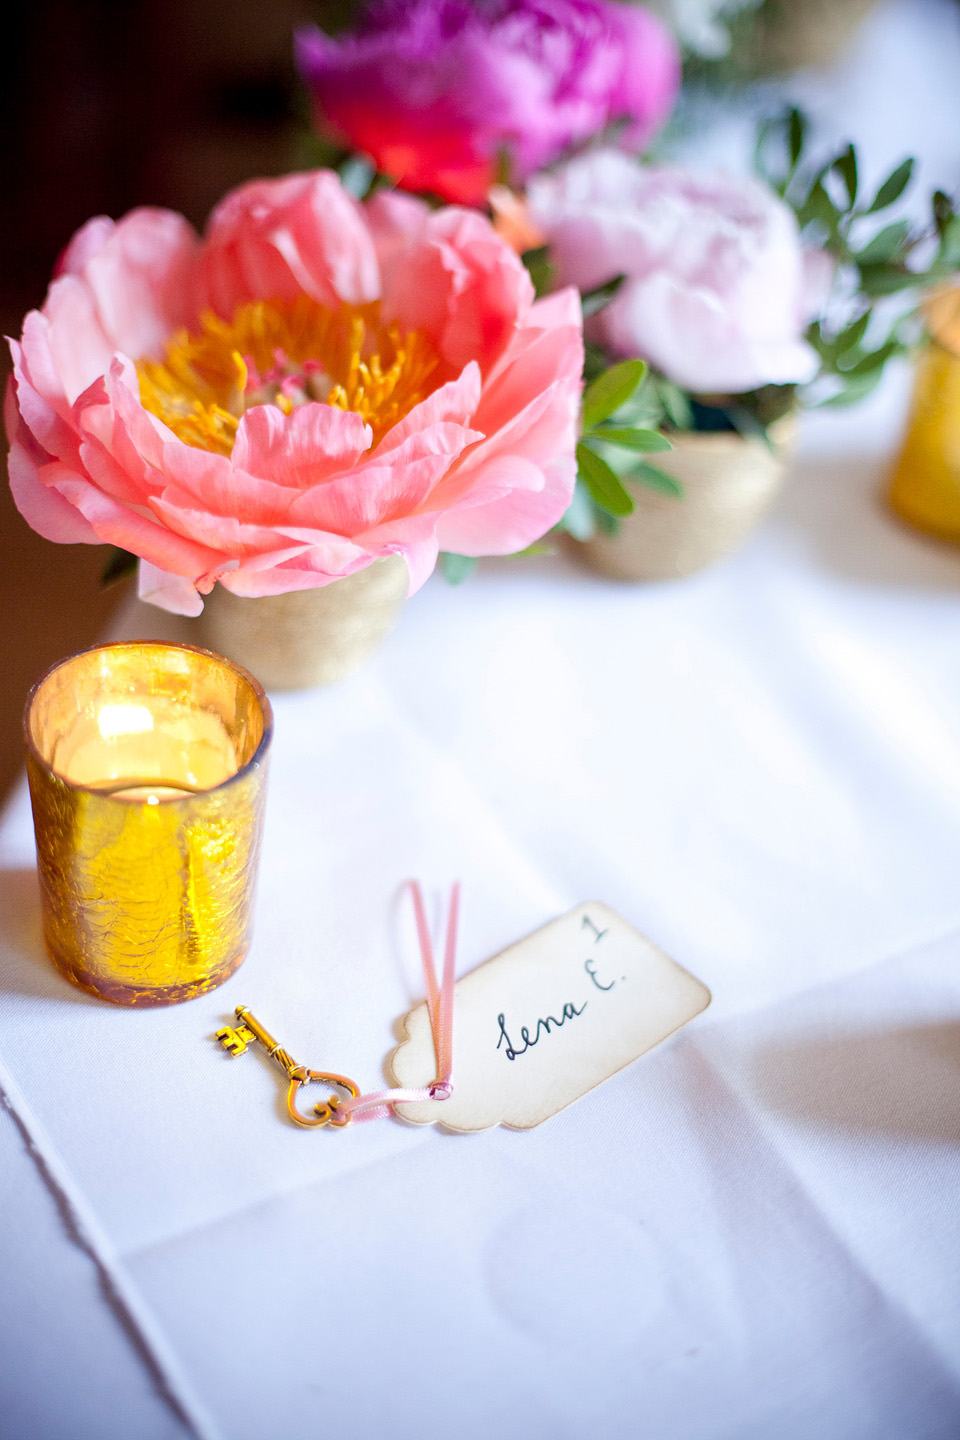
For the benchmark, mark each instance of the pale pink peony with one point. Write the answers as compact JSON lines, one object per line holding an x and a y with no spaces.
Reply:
{"x":150,"y":407}
{"x":715,"y":295}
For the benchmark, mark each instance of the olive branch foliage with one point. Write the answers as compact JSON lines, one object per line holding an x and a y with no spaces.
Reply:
{"x":873,"y":260}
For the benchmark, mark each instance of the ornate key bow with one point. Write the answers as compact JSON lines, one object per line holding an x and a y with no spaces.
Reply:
{"x":236,"y":1038}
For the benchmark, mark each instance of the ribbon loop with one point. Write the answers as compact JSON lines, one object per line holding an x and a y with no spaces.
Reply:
{"x":380,"y":1103}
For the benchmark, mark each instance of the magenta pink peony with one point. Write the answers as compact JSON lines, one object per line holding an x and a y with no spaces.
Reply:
{"x":313,"y":385}
{"x":434,"y":90}
{"x":717,"y":285}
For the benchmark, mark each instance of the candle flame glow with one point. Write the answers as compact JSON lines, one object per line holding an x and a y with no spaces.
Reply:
{"x":116,"y":720}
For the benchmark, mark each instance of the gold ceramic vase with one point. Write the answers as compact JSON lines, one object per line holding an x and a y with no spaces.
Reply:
{"x":307,"y":637}
{"x":147,"y":766}
{"x":728,"y":485}
{"x":925,"y":487}
{"x":796,"y":34}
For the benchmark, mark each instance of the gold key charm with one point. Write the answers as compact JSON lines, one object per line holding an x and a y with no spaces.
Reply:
{"x":236,"y":1038}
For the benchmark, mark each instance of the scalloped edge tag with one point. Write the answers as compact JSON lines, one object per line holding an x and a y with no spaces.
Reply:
{"x":547,"y":1020}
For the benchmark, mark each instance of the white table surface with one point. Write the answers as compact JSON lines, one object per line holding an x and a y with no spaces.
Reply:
{"x":751,"y":1232}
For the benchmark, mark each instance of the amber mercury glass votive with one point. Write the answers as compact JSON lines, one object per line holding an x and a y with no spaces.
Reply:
{"x":925,"y":488}
{"x":147,"y":766}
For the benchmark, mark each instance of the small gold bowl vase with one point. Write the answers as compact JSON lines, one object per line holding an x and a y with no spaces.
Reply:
{"x":304,"y":638}
{"x":729,"y":483}
{"x":925,"y":487}
{"x":147,"y":766}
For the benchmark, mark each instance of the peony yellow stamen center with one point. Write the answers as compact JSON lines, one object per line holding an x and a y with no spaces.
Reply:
{"x":286,"y":353}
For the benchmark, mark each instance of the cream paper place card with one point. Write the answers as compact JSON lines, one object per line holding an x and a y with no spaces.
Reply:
{"x":546,"y":1020}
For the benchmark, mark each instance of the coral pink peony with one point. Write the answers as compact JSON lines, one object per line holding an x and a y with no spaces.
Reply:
{"x":313,"y":385}
{"x":433,"y":90}
{"x":716,"y":282}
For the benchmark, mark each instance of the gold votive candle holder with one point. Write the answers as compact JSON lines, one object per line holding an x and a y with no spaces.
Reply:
{"x":925,"y":487}
{"x":147,"y":766}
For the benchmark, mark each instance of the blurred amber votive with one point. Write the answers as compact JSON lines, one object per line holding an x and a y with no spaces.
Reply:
{"x":147,"y":766}
{"x":925,"y":487}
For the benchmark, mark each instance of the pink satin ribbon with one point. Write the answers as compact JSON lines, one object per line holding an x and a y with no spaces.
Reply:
{"x":380,"y":1103}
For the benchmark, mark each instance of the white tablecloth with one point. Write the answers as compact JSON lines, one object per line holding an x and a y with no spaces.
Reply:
{"x":751,"y":1232}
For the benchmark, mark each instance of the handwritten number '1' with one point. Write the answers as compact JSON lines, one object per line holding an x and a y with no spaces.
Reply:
{"x":587,"y":923}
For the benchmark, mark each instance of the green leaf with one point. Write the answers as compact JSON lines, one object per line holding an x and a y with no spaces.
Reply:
{"x":579,"y":519}
{"x":593,"y":300}
{"x":313,"y":152}
{"x":456,"y":568}
{"x":610,"y":390}
{"x":120,"y":564}
{"x":850,"y":338}
{"x":539,"y":269}
{"x":676,"y":403}
{"x":765,"y":131}
{"x":845,"y":166}
{"x":503,"y":171}
{"x":647,"y":440}
{"x":607,"y":524}
{"x":874,"y":361}
{"x":886,"y":245}
{"x":892,"y":188}
{"x":819,"y":208}
{"x":818,"y":340}
{"x":602,"y":483}
{"x":853,"y":392}
{"x":768,"y":404}
{"x":942,"y":207}
{"x":749,"y":426}
{"x":877,"y":280}
{"x":796,"y":127}
{"x":657,"y":479}
{"x":539,"y":547}
{"x":784,"y":134}
{"x":949,"y":252}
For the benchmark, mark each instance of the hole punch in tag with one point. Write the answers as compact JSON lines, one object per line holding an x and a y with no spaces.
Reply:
{"x":547,"y":1020}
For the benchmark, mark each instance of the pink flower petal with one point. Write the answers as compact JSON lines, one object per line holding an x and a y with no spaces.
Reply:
{"x":414,"y":538}
{"x":454,"y":402}
{"x":519,"y":516}
{"x":519,"y":391}
{"x":118,"y":524}
{"x":42,"y":506}
{"x":170,"y":592}
{"x":79,"y":348}
{"x":457,"y":281}
{"x":276,"y":239}
{"x":394,"y":220}
{"x":373,"y":494}
{"x":302,"y":449}
{"x":43,"y":420}
{"x":40,"y":367}
{"x":143,"y":281}
{"x":325,"y":559}
{"x":222,"y":536}
{"x":89,"y":240}
{"x":212,"y":483}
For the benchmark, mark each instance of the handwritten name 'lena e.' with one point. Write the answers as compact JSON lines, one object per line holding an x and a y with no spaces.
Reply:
{"x":547,"y":1023}
{"x":548,"y":1019}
